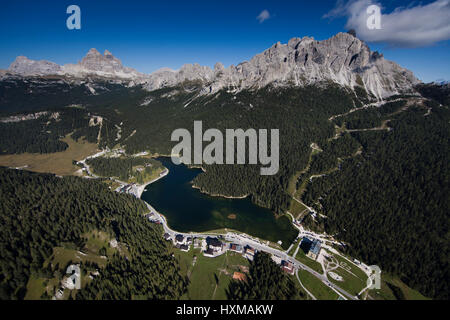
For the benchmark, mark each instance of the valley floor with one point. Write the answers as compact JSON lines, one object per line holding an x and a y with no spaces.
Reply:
{"x":59,"y":163}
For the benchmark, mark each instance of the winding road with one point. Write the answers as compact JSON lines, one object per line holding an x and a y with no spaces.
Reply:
{"x":241,"y":239}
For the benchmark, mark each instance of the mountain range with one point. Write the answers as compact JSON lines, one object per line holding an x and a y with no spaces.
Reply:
{"x":343,"y":59}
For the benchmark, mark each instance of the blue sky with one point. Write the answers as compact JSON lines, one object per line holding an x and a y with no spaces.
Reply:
{"x":148,"y":35}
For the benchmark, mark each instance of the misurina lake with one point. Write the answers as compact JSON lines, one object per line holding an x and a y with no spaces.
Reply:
{"x":189,"y":210}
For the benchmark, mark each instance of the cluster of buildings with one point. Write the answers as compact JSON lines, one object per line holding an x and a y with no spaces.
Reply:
{"x":312,"y":247}
{"x":127,"y":188}
{"x":213,"y":247}
{"x":180,"y":242}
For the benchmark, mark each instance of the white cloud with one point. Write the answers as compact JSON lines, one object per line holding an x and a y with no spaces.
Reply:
{"x":412,"y":26}
{"x":263,"y":16}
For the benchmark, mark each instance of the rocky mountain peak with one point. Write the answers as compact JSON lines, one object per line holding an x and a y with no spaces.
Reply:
{"x":343,"y":59}
{"x":93,"y":52}
{"x":95,"y":61}
{"x":24,"y":66}
{"x":105,"y":65}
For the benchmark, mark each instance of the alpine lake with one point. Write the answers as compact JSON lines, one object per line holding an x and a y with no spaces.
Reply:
{"x":189,"y":210}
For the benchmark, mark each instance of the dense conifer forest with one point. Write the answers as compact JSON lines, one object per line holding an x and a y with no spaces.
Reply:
{"x":40,"y":211}
{"x":42,"y":135}
{"x":384,"y":192}
{"x":437,"y":92}
{"x":390,"y":203}
{"x":300,"y":114}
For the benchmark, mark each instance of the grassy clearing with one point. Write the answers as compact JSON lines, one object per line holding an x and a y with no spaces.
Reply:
{"x":96,"y":240}
{"x":296,"y":208}
{"x":298,"y":194}
{"x":185,"y":260}
{"x":209,"y":277}
{"x":354,"y":279}
{"x":350,"y":283}
{"x":292,"y":186}
{"x":35,"y":288}
{"x":96,"y":243}
{"x":146,"y":177}
{"x":205,"y":276}
{"x":347,"y":264}
{"x":140,"y":174}
{"x":59,"y":260}
{"x":317,"y":287}
{"x":301,"y":256}
{"x":393,"y":288}
{"x":62,"y":257}
{"x":59,"y":163}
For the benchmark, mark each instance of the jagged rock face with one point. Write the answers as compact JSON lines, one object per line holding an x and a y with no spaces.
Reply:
{"x":25,"y":67}
{"x":343,"y":59}
{"x":94,"y":63}
{"x":188,"y":72}
{"x":106,"y":65}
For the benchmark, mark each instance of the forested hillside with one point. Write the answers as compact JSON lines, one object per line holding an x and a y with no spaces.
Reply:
{"x":301,"y":115}
{"x":438,"y":92}
{"x":124,"y":168}
{"x":42,"y":135}
{"x":39,"y":212}
{"x":380,"y":177}
{"x":146,"y":121}
{"x":390,"y":203}
{"x":44,"y":93}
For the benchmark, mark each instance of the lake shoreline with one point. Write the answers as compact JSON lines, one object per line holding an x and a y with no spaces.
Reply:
{"x":218,"y":195}
{"x":185,"y":207}
{"x":141,"y":188}
{"x":192,"y":166}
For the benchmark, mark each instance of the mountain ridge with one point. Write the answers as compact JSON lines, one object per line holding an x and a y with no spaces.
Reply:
{"x":343,"y":59}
